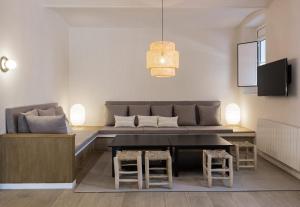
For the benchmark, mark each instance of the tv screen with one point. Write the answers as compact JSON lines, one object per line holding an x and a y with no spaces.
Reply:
{"x":273,"y":78}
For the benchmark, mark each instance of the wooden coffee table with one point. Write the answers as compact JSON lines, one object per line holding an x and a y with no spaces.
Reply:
{"x":174,"y":143}
{"x":186,"y":142}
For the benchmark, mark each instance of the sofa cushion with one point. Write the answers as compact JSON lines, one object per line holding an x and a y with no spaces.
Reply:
{"x":47,"y":112}
{"x":162,"y":110}
{"x":208,"y":129}
{"x":47,"y":124}
{"x":59,"y":111}
{"x":118,"y":110}
{"x":186,"y":114}
{"x":147,"y":121}
{"x":142,"y":110}
{"x":22,"y":122}
{"x":168,"y":121}
{"x":124,"y":121}
{"x":122,"y":130}
{"x":209,"y":115}
{"x":166,"y":130}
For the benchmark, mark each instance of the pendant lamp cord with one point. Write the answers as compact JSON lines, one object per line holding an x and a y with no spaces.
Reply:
{"x":162,"y":20}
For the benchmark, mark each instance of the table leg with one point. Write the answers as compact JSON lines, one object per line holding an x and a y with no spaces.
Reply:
{"x":227,"y":149}
{"x":113,"y":154}
{"x":175,"y":164}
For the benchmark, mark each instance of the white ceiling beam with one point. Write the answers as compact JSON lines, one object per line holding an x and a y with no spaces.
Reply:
{"x":156,"y":3}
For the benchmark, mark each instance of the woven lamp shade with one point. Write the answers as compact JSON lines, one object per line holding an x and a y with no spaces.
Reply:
{"x":162,"y":59}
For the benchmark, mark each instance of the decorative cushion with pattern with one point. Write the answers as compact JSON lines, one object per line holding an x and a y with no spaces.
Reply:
{"x":124,"y":121}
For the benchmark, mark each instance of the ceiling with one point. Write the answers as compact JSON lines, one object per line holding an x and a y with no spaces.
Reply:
{"x":146,"y":13}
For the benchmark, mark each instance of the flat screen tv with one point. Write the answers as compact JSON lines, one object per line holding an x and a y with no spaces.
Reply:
{"x":273,"y":78}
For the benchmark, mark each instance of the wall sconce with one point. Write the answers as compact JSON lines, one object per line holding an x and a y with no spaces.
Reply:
{"x":233,"y":114}
{"x":7,"y":64}
{"x":77,"y":115}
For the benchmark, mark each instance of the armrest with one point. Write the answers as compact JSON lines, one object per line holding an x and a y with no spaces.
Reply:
{"x":37,"y":158}
{"x":30,"y":135}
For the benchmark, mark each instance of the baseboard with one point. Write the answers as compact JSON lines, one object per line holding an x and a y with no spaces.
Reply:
{"x":16,"y":186}
{"x":279,"y":164}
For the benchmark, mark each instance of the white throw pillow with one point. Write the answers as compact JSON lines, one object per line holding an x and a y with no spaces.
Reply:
{"x":124,"y":121}
{"x":147,"y":121}
{"x":168,"y":121}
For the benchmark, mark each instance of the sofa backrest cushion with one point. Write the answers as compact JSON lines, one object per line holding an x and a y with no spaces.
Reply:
{"x":115,"y":110}
{"x":162,"y":110}
{"x":186,"y":114}
{"x":47,"y":124}
{"x":160,"y":103}
{"x":142,"y":110}
{"x":11,"y":115}
{"x":47,"y":112}
{"x":209,"y":115}
{"x":22,"y":123}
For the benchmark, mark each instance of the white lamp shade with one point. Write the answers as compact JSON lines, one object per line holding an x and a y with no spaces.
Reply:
{"x":233,"y":114}
{"x":77,"y":115}
{"x":11,"y":64}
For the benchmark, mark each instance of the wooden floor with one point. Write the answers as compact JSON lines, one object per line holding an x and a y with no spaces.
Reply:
{"x":65,"y":198}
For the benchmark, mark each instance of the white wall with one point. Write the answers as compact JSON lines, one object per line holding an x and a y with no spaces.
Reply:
{"x":283,"y":29}
{"x":37,"y":39}
{"x":109,"y":64}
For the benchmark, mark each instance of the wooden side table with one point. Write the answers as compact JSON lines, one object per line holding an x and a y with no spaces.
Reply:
{"x":240,"y":134}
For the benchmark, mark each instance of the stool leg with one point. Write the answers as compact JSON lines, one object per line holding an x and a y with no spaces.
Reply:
{"x":237,"y":150}
{"x":230,"y":171}
{"x":169,"y":169}
{"x":209,"y":175}
{"x":224,"y":166}
{"x":147,"y":172}
{"x":140,"y":172}
{"x":117,"y":175}
{"x":255,"y":157}
{"x":247,"y":155}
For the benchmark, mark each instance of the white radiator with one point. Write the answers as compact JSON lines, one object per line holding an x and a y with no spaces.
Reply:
{"x":280,"y":141}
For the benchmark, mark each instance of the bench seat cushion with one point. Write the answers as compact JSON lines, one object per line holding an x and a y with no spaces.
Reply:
{"x":83,"y":138}
{"x":166,"y":130}
{"x":208,"y":129}
{"x":121,"y":130}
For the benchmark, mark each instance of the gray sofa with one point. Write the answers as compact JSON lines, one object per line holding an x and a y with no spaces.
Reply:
{"x":82,"y":137}
{"x":195,"y":129}
{"x":42,"y":158}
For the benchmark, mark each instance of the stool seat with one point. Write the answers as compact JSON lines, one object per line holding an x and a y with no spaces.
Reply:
{"x":157,"y":155}
{"x":242,"y":144}
{"x":128,"y":155}
{"x":218,"y":154}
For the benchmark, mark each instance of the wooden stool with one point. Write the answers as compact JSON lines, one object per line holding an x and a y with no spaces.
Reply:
{"x":247,"y":162}
{"x":158,"y":156}
{"x":208,"y":156}
{"x":128,"y":156}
